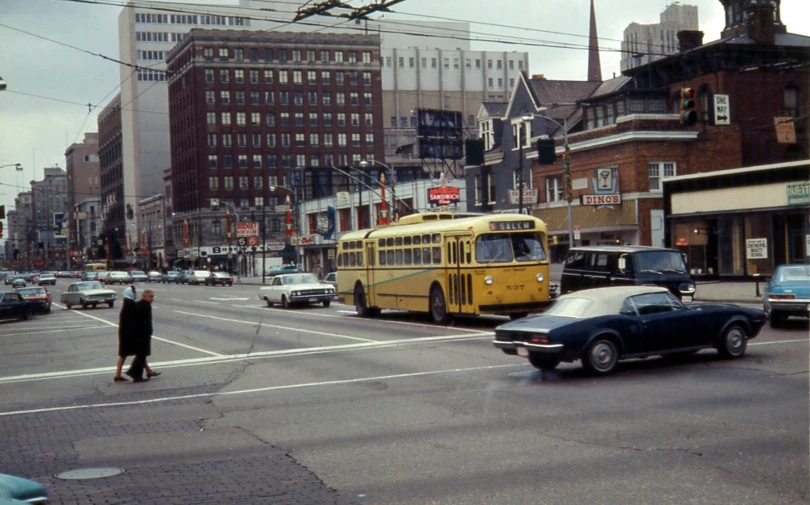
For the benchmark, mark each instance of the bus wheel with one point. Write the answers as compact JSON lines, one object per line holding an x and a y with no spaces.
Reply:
{"x":438,"y":308}
{"x":360,"y":302}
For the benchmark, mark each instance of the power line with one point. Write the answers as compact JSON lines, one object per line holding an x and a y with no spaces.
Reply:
{"x":77,"y":103}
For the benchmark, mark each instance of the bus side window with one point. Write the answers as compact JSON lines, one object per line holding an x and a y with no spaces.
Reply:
{"x":390,"y":257}
{"x":417,"y":240}
{"x":426,"y":255}
{"x":398,"y":241}
{"x":352,"y":259}
{"x":408,"y":256}
{"x":389,"y":242}
{"x":399,"y":256}
{"x":340,"y":260}
{"x":426,"y":239}
{"x":407,"y":240}
{"x":417,"y":256}
{"x":468,"y":248}
{"x":382,"y":257}
{"x":381,"y":242}
{"x":437,"y":255}
{"x":437,"y":238}
{"x":359,"y":258}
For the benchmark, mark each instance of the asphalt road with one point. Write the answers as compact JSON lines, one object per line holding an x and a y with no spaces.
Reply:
{"x":265,"y":405}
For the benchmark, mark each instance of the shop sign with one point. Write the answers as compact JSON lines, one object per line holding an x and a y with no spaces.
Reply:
{"x":798,"y":194}
{"x":443,"y":195}
{"x":681,"y":242}
{"x":613,"y":199}
{"x":343,"y":198}
{"x":247,"y":229}
{"x":756,"y":248}
{"x":529,"y":196}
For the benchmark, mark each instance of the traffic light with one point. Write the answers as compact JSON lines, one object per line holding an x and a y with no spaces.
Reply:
{"x":1,"y":229}
{"x":688,"y":112}
{"x":2,"y":211}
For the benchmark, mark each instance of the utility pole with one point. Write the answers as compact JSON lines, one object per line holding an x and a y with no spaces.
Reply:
{"x":520,"y":167}
{"x":264,"y":239}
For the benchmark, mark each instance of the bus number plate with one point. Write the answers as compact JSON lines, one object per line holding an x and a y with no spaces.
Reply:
{"x":514,"y":287}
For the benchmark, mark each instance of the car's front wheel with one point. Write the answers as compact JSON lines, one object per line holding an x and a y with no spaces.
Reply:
{"x":733,"y":343}
{"x":543,"y":361}
{"x":111,"y":304}
{"x":83,"y":303}
{"x":68,"y":306}
{"x":285,"y":302}
{"x":327,"y":303}
{"x":27,"y":315}
{"x":601,"y":357}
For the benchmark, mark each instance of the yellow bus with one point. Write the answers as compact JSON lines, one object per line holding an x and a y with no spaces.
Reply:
{"x":445,"y":265}
{"x":95,"y":267}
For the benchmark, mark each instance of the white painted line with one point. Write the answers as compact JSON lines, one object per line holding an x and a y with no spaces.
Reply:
{"x":260,"y":323}
{"x":230,"y":299}
{"x":53,"y":331}
{"x":203,"y":301}
{"x":257,"y":390}
{"x":153,"y":336}
{"x":352,"y":312}
{"x":780,"y":342}
{"x":250,"y":356}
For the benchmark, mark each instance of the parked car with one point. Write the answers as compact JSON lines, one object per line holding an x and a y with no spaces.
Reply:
{"x":599,"y":266}
{"x":219,"y":278}
{"x":118,"y":278}
{"x":170,"y":276}
{"x":102,"y":276}
{"x":301,"y":288}
{"x":604,"y":325}
{"x":184,"y":275}
{"x":8,"y":277}
{"x":154,"y":276}
{"x":16,"y":490}
{"x":287,"y":268}
{"x":331,"y":278}
{"x":787,"y":294}
{"x":47,"y":280}
{"x":14,"y":306}
{"x":18,"y":282}
{"x":197,"y":277}
{"x":86,"y":294}
{"x":36,"y":294}
{"x":138,"y":276}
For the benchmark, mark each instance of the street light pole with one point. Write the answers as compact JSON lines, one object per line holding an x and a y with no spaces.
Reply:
{"x":520,"y":166}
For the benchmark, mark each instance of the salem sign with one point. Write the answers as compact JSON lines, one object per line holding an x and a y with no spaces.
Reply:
{"x":600,"y":199}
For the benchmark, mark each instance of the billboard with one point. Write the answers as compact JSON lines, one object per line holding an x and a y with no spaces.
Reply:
{"x":440,"y":133}
{"x":443,"y":195}
{"x":247,"y":229}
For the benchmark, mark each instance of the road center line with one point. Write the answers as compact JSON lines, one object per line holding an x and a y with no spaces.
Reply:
{"x":258,"y":390}
{"x":276,"y":326}
{"x":153,"y":336}
{"x":780,"y":342}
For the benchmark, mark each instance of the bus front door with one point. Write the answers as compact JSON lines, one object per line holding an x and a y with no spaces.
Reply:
{"x":459,"y":274}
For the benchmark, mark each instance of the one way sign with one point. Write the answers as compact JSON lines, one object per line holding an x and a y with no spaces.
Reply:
{"x":721,"y":110}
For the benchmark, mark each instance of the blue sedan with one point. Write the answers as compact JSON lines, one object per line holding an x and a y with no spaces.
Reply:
{"x":602,"y":326}
{"x":12,"y":305}
{"x":787,"y":294}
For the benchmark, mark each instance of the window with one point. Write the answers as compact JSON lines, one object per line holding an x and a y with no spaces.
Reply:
{"x":211,"y":118}
{"x":327,"y":119}
{"x":341,"y":119}
{"x":223,"y":75}
{"x":446,"y":63}
{"x":477,"y":189}
{"x":254,"y":76}
{"x":326,"y":98}
{"x":239,"y":54}
{"x":239,"y":75}
{"x":366,"y":57}
{"x":284,"y":97}
{"x":491,"y":193}
{"x":208,"y":53}
{"x":355,"y":119}
{"x":285,"y":140}
{"x":500,"y":82}
{"x":209,"y":75}
{"x":271,"y":140}
{"x":255,"y":119}
{"x":313,"y":119}
{"x":228,"y":182}
{"x":212,"y":161}
{"x":490,"y":82}
{"x":268,"y":56}
{"x":271,"y":160}
{"x":313,"y":139}
{"x":401,"y":62}
{"x":326,"y":77}
{"x":658,"y":170}
{"x":270,"y":119}
{"x":257,"y":161}
{"x":255,"y":98}
{"x":257,"y":181}
{"x":338,"y":56}
{"x":327,"y":139}
{"x":366,"y":98}
{"x":225,"y":119}
{"x":355,"y":140}
{"x":296,"y":55}
{"x":268,"y":77}
{"x":285,"y":119}
{"x":311,"y":55}
{"x":312,"y":97}
{"x":223,"y":54}
{"x":244,"y":203}
{"x":240,"y":98}
{"x":259,"y":201}
{"x":341,"y":139}
{"x":298,"y":98}
{"x":243,"y":161}
{"x":282,"y":76}
{"x":369,"y":120}
{"x":299,"y":140}
{"x":227,"y":161}
{"x":369,"y":140}
{"x":355,"y":99}
{"x":243,"y":181}
{"x":269,"y":98}
{"x":790,"y":101}
{"x":224,"y":97}
{"x":297,"y":77}
{"x":554,"y":188}
{"x":282,"y":55}
{"x":340,"y":98}
{"x":434,"y":63}
{"x":240,"y":118}
{"x":366,"y":78}
{"x":212,"y":140}
{"x":299,"y":119}
{"x":213,"y":183}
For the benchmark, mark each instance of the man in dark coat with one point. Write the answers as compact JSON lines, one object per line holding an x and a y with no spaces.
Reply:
{"x":142,"y":338}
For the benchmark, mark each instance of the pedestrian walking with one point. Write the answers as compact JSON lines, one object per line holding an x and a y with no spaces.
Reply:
{"x":142,"y":338}
{"x":126,"y":320}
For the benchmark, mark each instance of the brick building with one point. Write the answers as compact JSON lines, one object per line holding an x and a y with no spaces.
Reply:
{"x":247,"y":110}
{"x":110,"y":154}
{"x":83,"y":183}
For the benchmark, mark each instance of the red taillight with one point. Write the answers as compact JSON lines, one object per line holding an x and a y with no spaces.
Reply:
{"x":783,"y":297}
{"x":538,"y":339}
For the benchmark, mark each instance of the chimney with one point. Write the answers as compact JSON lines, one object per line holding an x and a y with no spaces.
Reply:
{"x":760,"y":23}
{"x":539,"y":77}
{"x":690,"y":39}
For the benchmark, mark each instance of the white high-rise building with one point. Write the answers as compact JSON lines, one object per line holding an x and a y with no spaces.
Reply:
{"x":645,"y":43}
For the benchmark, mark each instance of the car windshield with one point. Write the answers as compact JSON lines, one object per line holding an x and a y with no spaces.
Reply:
{"x":83,"y":286}
{"x":570,"y":307}
{"x":46,"y":276}
{"x":221,"y":274}
{"x":660,"y":262}
{"x":299,"y":279}
{"x":794,"y":273}
{"x":31,"y":291}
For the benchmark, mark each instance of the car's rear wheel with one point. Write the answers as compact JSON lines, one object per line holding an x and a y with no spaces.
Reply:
{"x":360,"y":304}
{"x":68,"y":306}
{"x":438,"y":307}
{"x":268,"y":302}
{"x":27,"y":315}
{"x":776,"y":318}
{"x":733,"y":343}
{"x":543,"y":361}
{"x":327,"y":303}
{"x":601,"y":357}
{"x":285,"y":302}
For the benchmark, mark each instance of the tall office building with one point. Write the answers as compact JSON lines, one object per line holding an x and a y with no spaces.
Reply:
{"x":645,"y":43}
{"x":83,"y":178}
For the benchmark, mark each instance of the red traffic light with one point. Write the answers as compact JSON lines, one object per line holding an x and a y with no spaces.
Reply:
{"x":687,"y":94}
{"x":688,"y":113}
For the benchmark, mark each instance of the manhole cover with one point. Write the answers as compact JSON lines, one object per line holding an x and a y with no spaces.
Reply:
{"x":89,"y":473}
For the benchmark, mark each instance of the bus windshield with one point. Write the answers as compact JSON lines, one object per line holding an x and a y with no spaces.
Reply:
{"x":508,"y":247}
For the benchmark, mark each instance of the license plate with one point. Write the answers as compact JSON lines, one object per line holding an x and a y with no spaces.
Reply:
{"x":312,"y":300}
{"x":522,"y":351}
{"x":686,"y":299}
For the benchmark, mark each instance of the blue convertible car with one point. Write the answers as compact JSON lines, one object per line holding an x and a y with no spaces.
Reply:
{"x":602,"y":326}
{"x":787,"y":294}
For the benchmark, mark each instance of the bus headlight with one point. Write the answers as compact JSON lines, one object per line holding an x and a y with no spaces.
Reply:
{"x":540,"y":278}
{"x":488,"y":280}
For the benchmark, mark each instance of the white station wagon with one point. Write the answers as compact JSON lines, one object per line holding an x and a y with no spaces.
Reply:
{"x":86,"y":294}
{"x":290,"y":289}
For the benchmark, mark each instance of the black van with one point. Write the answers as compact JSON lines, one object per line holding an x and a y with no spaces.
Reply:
{"x":599,"y":266}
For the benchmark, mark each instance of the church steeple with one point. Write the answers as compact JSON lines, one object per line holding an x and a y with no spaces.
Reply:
{"x":594,"y":67}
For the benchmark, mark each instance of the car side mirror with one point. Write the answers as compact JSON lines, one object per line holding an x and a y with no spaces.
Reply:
{"x":627,"y":312}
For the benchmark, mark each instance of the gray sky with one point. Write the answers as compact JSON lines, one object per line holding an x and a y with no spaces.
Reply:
{"x":36,"y":131}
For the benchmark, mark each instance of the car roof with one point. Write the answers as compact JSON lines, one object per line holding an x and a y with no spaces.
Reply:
{"x":609,"y":300}
{"x":620,"y":248}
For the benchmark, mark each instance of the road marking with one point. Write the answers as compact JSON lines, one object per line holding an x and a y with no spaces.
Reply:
{"x":275,"y":326}
{"x":303,"y":351}
{"x":53,"y":331}
{"x":230,"y":299}
{"x":153,"y":336}
{"x":352,"y":312}
{"x":780,"y":342}
{"x":203,"y":301}
{"x":257,"y":390}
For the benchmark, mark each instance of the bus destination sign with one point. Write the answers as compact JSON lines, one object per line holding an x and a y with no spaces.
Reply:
{"x":511,"y":225}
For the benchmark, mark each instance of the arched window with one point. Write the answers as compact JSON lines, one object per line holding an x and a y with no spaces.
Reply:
{"x":705,"y":101}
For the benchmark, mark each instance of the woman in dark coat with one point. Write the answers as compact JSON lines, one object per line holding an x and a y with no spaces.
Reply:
{"x":126,"y":324}
{"x":142,"y":338}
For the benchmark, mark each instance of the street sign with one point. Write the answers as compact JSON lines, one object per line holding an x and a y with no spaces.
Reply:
{"x":785,"y":130}
{"x":756,"y":248}
{"x":280,"y":209}
{"x":247,"y":229}
{"x":721,"y":110}
{"x":529,"y":196}
{"x":577,"y":233}
{"x":252,"y":241}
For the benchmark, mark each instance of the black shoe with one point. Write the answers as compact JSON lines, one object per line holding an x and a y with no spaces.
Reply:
{"x":140,"y":379}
